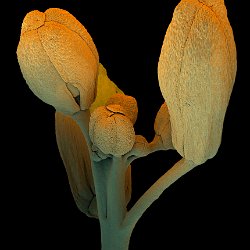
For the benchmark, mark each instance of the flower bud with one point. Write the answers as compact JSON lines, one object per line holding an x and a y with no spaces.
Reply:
{"x":162,"y":126}
{"x":111,"y":131}
{"x":74,"y":153}
{"x":196,"y":71}
{"x":129,"y":104}
{"x":58,"y":59}
{"x":140,"y":147}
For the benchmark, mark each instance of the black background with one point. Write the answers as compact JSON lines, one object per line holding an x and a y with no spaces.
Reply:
{"x":205,"y":208}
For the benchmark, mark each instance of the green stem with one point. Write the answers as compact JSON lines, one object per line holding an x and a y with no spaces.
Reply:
{"x":109,"y":179}
{"x":113,"y":238}
{"x":179,"y":169}
{"x":116,"y":203}
{"x":82,"y":118}
{"x":100,"y":174}
{"x":113,"y":235}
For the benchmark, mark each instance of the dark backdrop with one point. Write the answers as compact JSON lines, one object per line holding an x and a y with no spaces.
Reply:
{"x":206,"y":207}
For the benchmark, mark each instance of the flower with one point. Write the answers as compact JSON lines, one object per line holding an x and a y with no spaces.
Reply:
{"x":111,"y":131}
{"x":58,"y":59}
{"x":196,"y":71}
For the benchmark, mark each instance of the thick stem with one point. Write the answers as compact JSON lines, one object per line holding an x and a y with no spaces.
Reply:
{"x":116,"y":203}
{"x":109,"y":179}
{"x":82,"y":118}
{"x":179,"y":169}
{"x":116,"y":223}
{"x":100,"y":174}
{"x":113,"y":235}
{"x":114,"y":238}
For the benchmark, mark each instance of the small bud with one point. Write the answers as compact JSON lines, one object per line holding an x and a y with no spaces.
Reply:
{"x":111,"y":131}
{"x":129,"y":104}
{"x":58,"y":60}
{"x":140,"y":147}
{"x":162,"y":126}
{"x":196,"y":71}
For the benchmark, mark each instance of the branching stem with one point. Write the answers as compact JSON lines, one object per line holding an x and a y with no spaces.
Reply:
{"x":109,"y":178}
{"x":153,"y":193}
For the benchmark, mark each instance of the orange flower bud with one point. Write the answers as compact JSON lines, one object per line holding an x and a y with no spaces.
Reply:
{"x":111,"y":131}
{"x":196,"y":70}
{"x":58,"y":59}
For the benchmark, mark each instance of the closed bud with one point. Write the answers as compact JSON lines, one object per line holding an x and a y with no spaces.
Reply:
{"x":196,"y":70}
{"x":58,"y":59}
{"x":111,"y":131}
{"x":129,"y":104}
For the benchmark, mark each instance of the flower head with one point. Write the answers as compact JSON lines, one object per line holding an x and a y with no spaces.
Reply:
{"x":58,"y":59}
{"x":196,"y":70}
{"x":111,"y":131}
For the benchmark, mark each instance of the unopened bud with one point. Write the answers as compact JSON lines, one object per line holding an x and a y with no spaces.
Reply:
{"x":111,"y":131}
{"x":58,"y":59}
{"x":196,"y":70}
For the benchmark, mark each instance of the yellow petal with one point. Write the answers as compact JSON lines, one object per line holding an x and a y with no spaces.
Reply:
{"x":105,"y":89}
